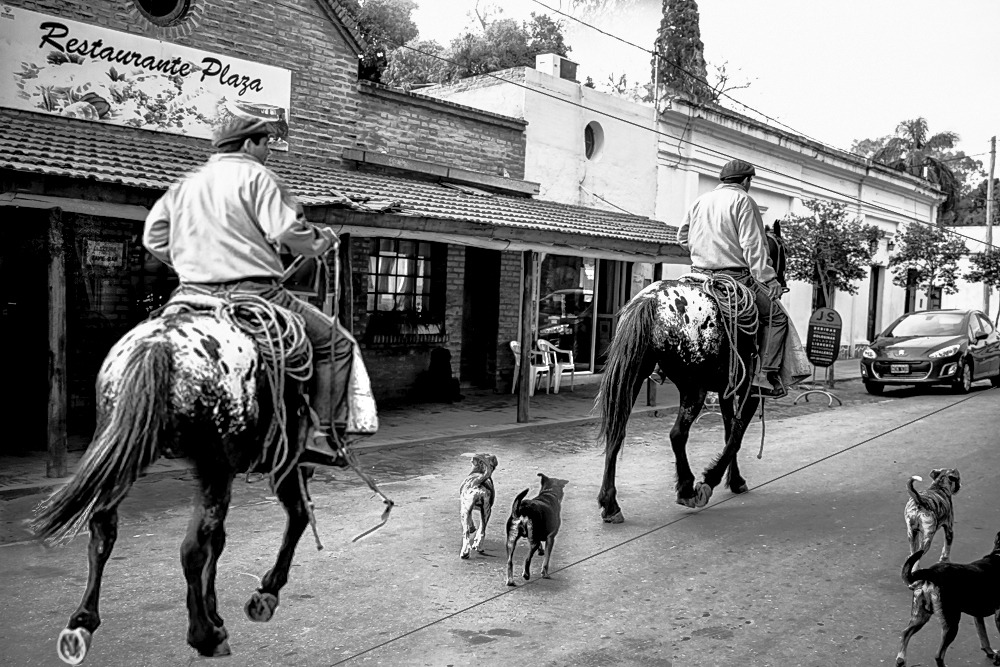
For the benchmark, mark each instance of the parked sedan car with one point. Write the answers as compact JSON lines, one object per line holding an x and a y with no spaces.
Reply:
{"x":953,"y":347}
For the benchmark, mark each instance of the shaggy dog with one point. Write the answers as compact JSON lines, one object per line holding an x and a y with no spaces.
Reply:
{"x":952,"y":590}
{"x":537,"y":519}
{"x":926,"y":512}
{"x":477,"y":492}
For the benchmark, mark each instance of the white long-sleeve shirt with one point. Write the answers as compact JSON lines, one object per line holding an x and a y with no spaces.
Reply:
{"x":723,"y":229}
{"x":227,"y":222}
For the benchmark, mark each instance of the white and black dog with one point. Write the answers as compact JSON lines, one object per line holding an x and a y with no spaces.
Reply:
{"x":931,"y":509}
{"x":477,"y":492}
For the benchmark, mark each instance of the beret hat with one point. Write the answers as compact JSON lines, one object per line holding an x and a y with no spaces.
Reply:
{"x":239,"y":129}
{"x":736,"y":169}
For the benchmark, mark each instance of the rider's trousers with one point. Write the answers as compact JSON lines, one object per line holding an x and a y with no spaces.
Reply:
{"x":332,"y":355}
{"x":774,"y":322}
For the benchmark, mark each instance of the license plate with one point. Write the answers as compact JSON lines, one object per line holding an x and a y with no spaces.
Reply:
{"x":899,"y":368}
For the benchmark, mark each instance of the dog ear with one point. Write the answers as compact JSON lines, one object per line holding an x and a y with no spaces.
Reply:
{"x":545,"y":480}
{"x":936,"y":473}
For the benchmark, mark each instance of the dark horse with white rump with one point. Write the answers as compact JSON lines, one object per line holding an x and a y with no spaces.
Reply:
{"x":194,"y":384}
{"x":680,"y":328}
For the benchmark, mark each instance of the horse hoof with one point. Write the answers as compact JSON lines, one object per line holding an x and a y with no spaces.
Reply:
{"x":260,"y":607}
{"x":464,"y":555}
{"x":617,"y":517}
{"x":742,"y":488}
{"x":222,"y":650}
{"x":73,"y":645}
{"x":686,"y":502}
{"x":703,"y":493}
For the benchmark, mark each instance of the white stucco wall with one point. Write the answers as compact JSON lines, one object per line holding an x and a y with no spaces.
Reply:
{"x":970,"y":295}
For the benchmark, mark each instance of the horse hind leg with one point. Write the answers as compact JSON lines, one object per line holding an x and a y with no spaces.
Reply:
{"x":261,"y":605}
{"x":211,"y":601}
{"x":735,"y":428}
{"x":692,"y":402}
{"x":74,"y":640}
{"x":199,"y":556}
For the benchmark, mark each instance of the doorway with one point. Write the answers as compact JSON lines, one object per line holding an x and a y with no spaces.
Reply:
{"x":480,"y":317}
{"x":613,"y":292}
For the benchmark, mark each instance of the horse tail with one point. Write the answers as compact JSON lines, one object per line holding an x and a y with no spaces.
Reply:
{"x":913,"y":492}
{"x":125,"y":445}
{"x":623,"y":369}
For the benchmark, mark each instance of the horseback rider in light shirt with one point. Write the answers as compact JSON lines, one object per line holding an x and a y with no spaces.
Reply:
{"x":724,"y":233}
{"x":221,"y":229}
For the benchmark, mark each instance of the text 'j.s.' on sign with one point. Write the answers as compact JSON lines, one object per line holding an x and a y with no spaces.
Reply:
{"x":823,"y":339}
{"x":106,"y":254}
{"x":56,"y":66}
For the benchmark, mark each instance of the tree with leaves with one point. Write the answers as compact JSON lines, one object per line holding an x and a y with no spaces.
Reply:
{"x":417,"y":63}
{"x":681,"y":53}
{"x":828,"y":248}
{"x":385,"y":24}
{"x":971,"y":209}
{"x":914,"y":150}
{"x":985,"y":269}
{"x":926,"y":257}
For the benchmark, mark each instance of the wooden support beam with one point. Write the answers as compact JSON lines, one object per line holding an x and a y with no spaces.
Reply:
{"x":650,"y":385}
{"x":56,"y":465}
{"x":346,"y":307}
{"x":527,"y":316}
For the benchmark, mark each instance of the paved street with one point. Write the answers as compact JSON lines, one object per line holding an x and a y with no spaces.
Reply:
{"x":804,"y":570}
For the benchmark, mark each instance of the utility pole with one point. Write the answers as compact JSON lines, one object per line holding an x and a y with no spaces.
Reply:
{"x":989,"y":219}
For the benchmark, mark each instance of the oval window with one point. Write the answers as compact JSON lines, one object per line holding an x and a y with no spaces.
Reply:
{"x":593,"y":140}
{"x":163,"y":12}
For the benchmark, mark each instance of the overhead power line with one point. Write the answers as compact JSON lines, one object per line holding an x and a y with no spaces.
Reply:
{"x":708,"y":149}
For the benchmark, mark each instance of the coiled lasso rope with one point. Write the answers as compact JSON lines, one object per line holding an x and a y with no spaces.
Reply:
{"x":736,"y":305}
{"x":284,"y":349}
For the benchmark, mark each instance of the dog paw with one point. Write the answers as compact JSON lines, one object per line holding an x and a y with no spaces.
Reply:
{"x":464,"y":555}
{"x":480,"y":551}
{"x":510,"y":582}
{"x":526,"y":575}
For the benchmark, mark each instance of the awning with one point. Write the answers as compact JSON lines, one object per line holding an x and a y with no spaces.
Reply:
{"x":370,"y":204}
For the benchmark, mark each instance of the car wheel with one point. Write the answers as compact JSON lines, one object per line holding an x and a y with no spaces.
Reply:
{"x":874,"y":389}
{"x":995,"y":380}
{"x":963,"y":384}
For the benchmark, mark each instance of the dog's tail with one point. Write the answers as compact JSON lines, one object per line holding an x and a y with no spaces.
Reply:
{"x":515,"y":507}
{"x":909,"y":576}
{"x":913,"y":492}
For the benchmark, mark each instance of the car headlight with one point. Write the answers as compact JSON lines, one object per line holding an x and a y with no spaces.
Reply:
{"x":869,"y":353}
{"x":945,"y":351}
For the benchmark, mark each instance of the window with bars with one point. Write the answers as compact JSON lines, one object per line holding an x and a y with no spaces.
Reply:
{"x":399,"y":276}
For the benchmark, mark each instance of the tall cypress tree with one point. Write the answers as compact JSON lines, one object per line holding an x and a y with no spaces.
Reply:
{"x":682,"y":54}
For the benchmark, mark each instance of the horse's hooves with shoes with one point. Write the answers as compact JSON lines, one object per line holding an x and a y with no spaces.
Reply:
{"x":220,"y":650}
{"x":73,"y":645}
{"x":617,"y":517}
{"x":260,"y":607}
{"x":702,"y":494}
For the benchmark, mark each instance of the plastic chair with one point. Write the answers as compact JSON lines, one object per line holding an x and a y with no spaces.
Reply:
{"x":539,"y":366}
{"x":561,"y":361}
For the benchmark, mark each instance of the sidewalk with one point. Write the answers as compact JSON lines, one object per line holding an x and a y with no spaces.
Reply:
{"x":481,"y":414}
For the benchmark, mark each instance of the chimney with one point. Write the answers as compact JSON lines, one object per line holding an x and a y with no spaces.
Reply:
{"x":555,"y":65}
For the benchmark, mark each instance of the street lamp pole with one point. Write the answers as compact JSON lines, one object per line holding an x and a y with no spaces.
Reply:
{"x":989,"y":220}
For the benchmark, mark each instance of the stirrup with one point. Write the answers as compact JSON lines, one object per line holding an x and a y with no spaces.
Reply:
{"x":318,"y":450}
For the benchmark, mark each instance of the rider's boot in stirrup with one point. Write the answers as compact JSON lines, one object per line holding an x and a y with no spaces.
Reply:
{"x":324,"y":444}
{"x":769,"y":386}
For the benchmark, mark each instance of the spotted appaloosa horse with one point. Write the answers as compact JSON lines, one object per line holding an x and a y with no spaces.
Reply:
{"x":678,"y":327}
{"x":191,"y":384}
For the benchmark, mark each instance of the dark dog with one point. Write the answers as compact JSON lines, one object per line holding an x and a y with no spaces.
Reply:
{"x":953,"y":589}
{"x":477,"y":492}
{"x":537,"y":519}
{"x":926,"y":512}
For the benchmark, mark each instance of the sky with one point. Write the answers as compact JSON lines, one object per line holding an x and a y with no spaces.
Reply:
{"x":834,"y":71}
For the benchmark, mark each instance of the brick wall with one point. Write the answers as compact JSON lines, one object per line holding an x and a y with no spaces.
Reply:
{"x":422,"y":128}
{"x":454,"y":304}
{"x":328,"y":112}
{"x":510,"y":311}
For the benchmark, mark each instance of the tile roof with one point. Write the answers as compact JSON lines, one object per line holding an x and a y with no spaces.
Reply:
{"x":79,"y":149}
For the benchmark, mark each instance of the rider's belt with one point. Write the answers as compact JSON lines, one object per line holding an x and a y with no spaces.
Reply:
{"x":260,"y":280}
{"x":734,"y":270}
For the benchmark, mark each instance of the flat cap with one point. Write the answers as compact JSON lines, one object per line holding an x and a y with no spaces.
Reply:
{"x":736,"y":169}
{"x":239,"y":129}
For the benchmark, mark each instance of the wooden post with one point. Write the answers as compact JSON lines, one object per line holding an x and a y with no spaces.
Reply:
{"x":527,"y":316}
{"x":346,"y":297}
{"x":650,"y":385}
{"x":989,"y":220}
{"x":56,"y":466}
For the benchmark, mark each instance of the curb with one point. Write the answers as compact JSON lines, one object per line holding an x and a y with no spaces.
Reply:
{"x":21,"y":490}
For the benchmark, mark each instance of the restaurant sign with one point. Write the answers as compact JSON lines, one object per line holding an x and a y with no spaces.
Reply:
{"x":56,"y":66}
